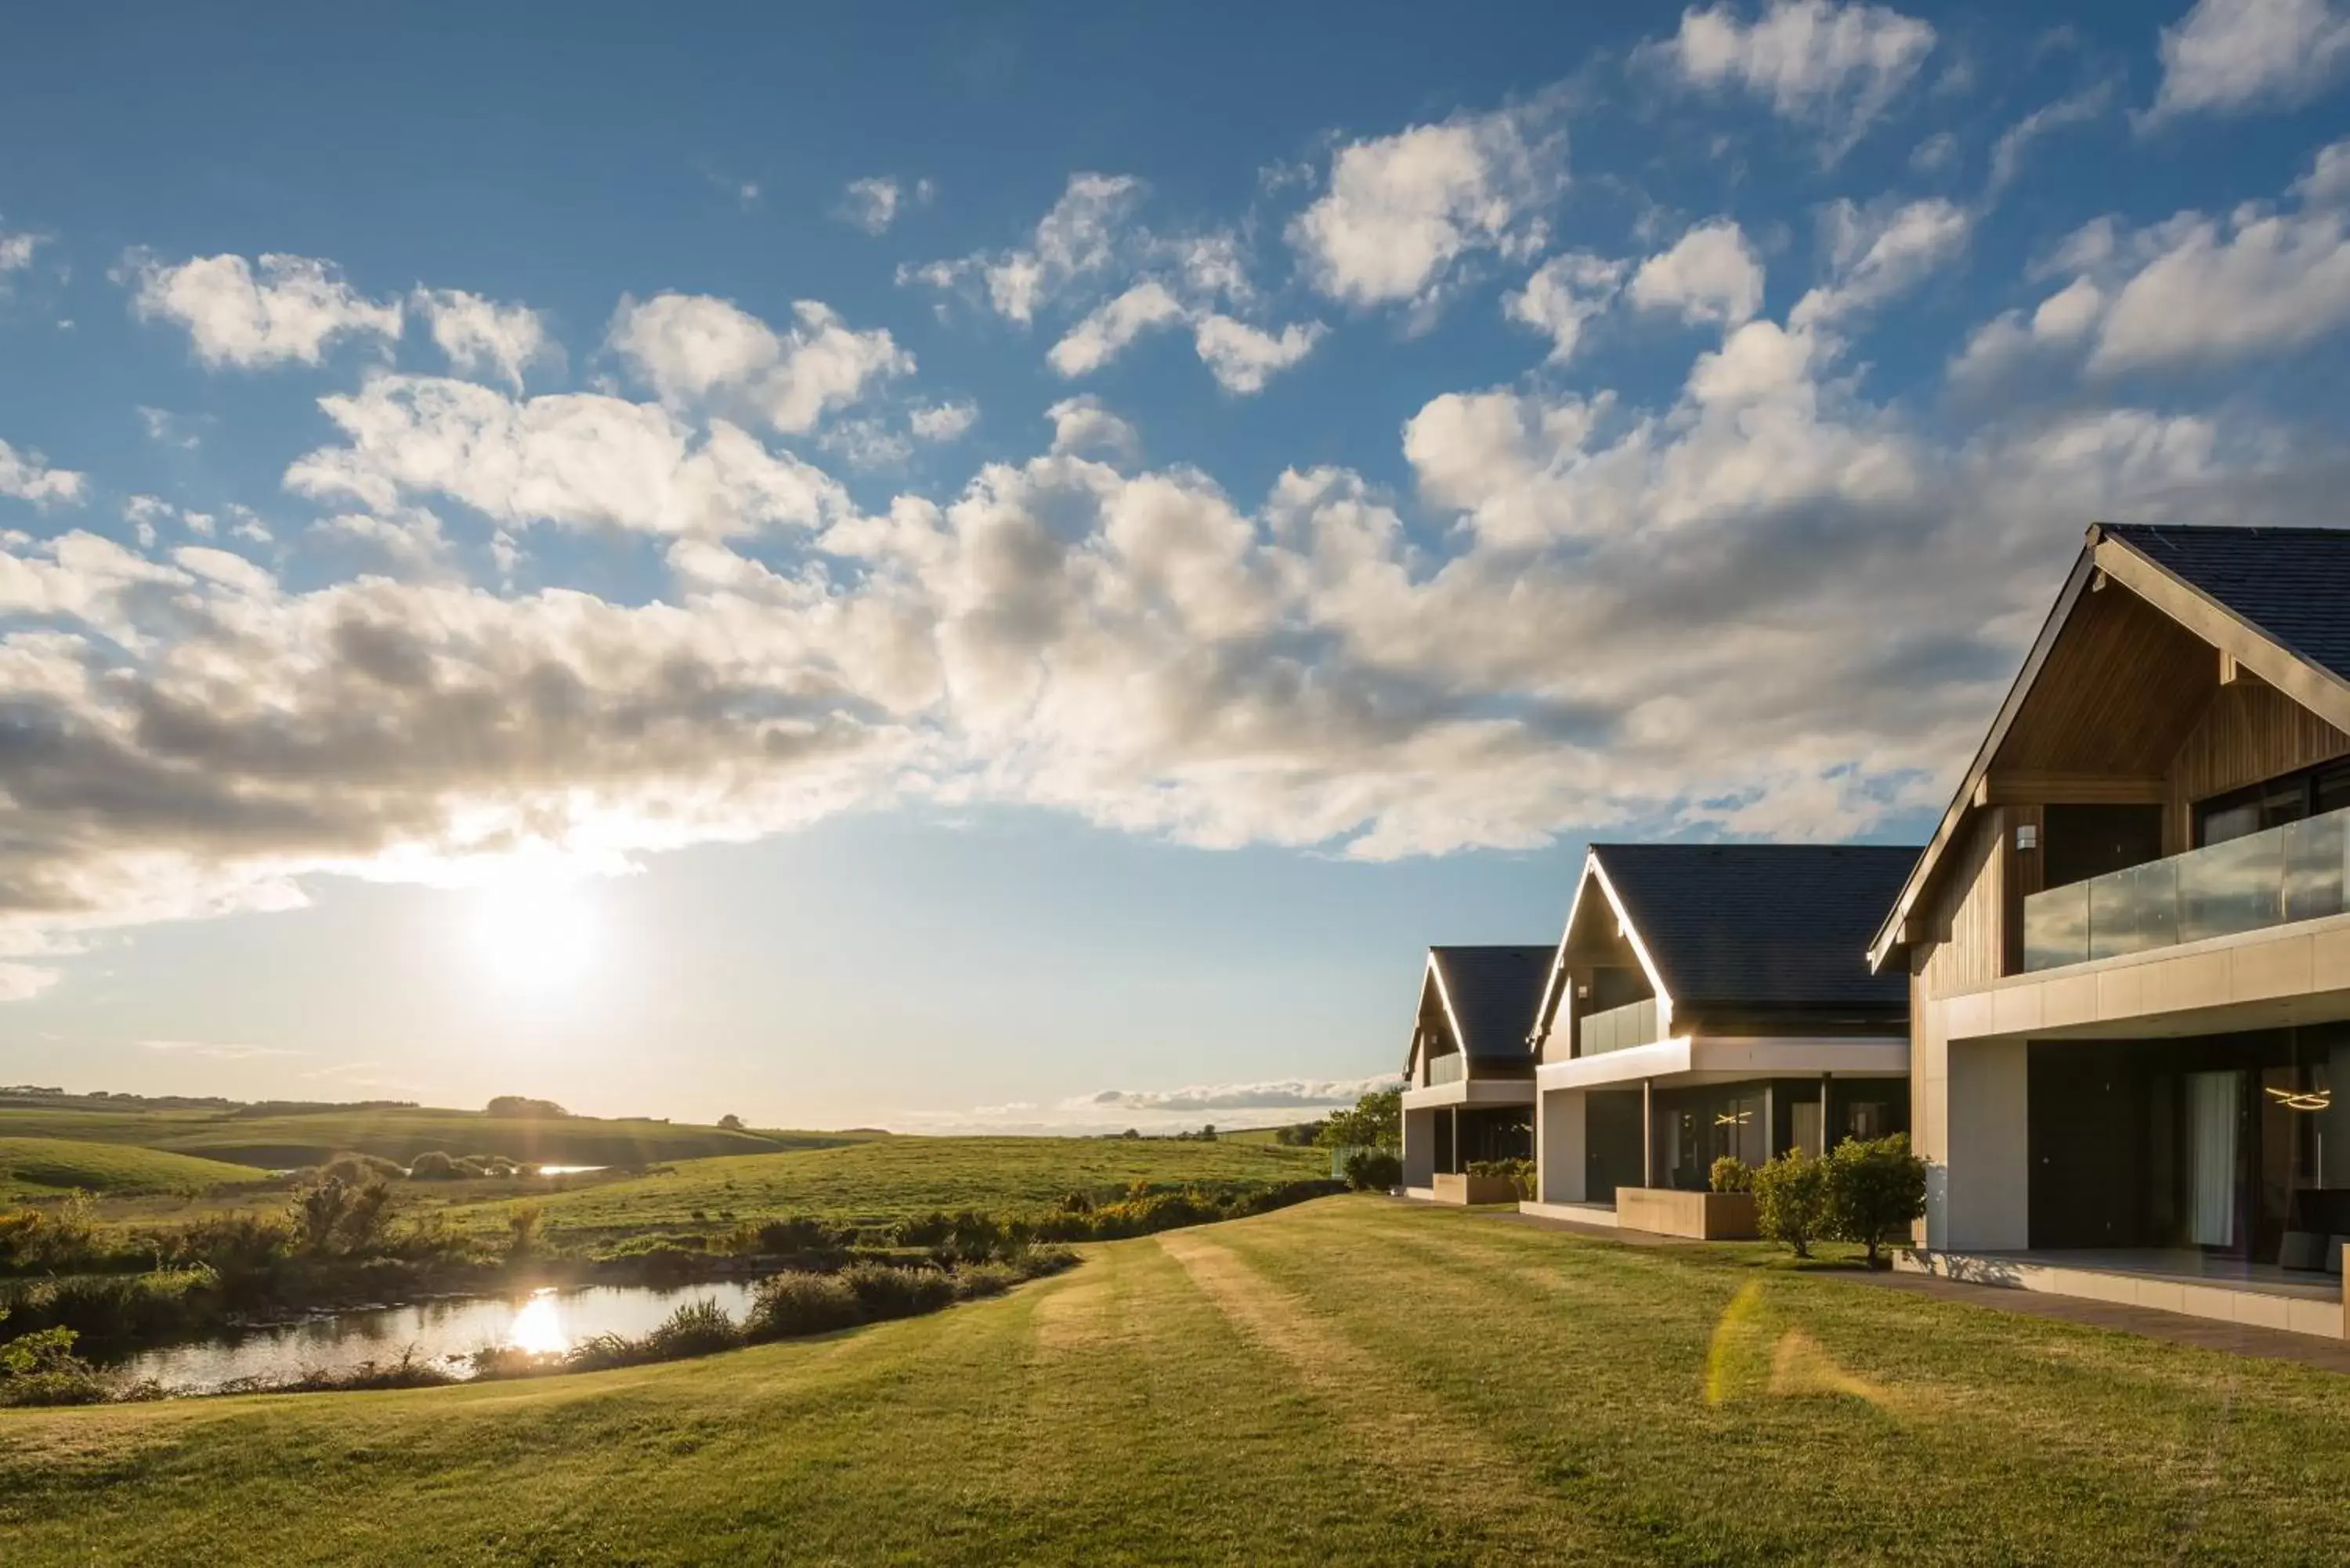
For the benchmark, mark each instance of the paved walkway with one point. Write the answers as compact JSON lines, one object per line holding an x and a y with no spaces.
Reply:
{"x":2238,"y":1339}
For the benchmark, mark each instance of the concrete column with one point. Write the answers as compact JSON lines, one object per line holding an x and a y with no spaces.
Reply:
{"x":1419,"y":1148}
{"x":1979,"y":1198}
{"x":1647,"y":1132}
{"x":1825,"y":1136}
{"x":1560,"y":1146}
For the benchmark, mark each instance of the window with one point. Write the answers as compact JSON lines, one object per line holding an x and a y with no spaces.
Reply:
{"x":2272,"y":803}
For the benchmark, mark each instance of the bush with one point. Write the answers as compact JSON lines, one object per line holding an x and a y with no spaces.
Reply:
{"x":432,"y":1164}
{"x":1731,"y":1174}
{"x":238,"y":1247}
{"x":790,"y":1305}
{"x":40,"y":1369}
{"x":1791,"y":1199}
{"x":886,"y":1292}
{"x":1520,"y":1172}
{"x":800,"y":1234}
{"x":696,"y":1328}
{"x":522,"y":1229}
{"x":59,"y":1239}
{"x":336,"y":1216}
{"x":354,"y":1169}
{"x":1374,"y":1171}
{"x":1876,"y":1191}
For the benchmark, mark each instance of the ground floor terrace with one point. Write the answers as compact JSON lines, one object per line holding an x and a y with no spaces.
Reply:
{"x":1450,"y":1127}
{"x":2205,"y":1173}
{"x":1631,"y":1136}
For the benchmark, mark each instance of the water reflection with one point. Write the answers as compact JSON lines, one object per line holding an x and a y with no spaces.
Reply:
{"x":446,"y":1333}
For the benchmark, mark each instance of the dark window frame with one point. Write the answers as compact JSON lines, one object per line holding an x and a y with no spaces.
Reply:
{"x":2305,"y":782}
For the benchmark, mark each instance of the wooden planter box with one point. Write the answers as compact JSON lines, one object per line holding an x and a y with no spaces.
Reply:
{"x":1706,"y":1216}
{"x":1475,"y":1189}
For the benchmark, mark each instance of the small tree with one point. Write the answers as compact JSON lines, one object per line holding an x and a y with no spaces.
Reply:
{"x":731,"y":1122}
{"x":1876,"y":1191}
{"x":1376,"y":1122}
{"x":1373,"y":1170}
{"x":1791,"y":1199}
{"x":1731,"y":1174}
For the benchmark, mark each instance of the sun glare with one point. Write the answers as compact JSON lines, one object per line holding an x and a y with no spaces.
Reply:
{"x":533,"y":935}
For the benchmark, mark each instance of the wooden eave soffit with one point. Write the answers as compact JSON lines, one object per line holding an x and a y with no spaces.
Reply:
{"x":2012,"y":788}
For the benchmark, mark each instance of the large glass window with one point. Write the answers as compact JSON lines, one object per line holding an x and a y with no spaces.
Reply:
{"x":2272,"y":804}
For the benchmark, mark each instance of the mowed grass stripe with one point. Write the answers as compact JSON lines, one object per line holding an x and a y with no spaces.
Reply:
{"x":1465,"y":1485}
{"x":2039,"y":1433}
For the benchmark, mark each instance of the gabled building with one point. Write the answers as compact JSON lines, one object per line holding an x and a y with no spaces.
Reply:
{"x":2129,"y":946}
{"x":1468,"y":1089}
{"x":1708,"y":999}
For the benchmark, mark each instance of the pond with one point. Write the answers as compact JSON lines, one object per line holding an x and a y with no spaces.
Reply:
{"x":444,"y":1332}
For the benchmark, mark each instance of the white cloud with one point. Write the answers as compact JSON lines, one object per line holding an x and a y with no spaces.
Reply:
{"x":1402,"y":212}
{"x":1878,"y":252}
{"x":583,"y":460}
{"x":2234,"y":56}
{"x":217,"y":1053}
{"x":2007,"y":154}
{"x":2224,"y":290}
{"x":1104,"y":333}
{"x":481,"y":336}
{"x":284,"y":309}
{"x":943,"y":421}
{"x":1082,"y":427}
{"x":165,"y":427}
{"x":16,"y":248}
{"x":2327,"y":183}
{"x":1834,"y":66}
{"x":1083,"y":237}
{"x":1243,"y":358}
{"x":873,"y":204}
{"x":1710,"y":274}
{"x":26,"y":477}
{"x":1564,"y":293}
{"x":692,"y":349}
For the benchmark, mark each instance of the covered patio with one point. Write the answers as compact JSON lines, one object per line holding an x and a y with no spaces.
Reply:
{"x":2185,"y":1279}
{"x":1449,"y":1127}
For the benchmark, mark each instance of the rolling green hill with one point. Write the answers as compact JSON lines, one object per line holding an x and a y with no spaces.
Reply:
{"x":1349,"y":1381}
{"x":43,"y":1166}
{"x":277,"y":1140}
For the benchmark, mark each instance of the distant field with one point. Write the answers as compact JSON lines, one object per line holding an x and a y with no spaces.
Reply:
{"x":903,"y":1176}
{"x":310,"y":1138}
{"x":43,"y":1166}
{"x":1350,"y":1381}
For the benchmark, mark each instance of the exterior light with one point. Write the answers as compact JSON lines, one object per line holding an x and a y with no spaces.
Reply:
{"x":2027,"y":836}
{"x":2313,"y":1100}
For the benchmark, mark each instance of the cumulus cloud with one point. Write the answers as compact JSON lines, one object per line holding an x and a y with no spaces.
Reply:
{"x":1835,"y":67}
{"x":16,"y":248}
{"x":874,"y":202}
{"x":2007,"y":154}
{"x":1243,"y":358}
{"x":26,"y":476}
{"x":2235,"y":57}
{"x":1566,"y":291}
{"x":692,"y":349}
{"x":1878,"y":252}
{"x":1709,"y":275}
{"x":1401,"y":213}
{"x":1104,"y":333}
{"x":481,"y":336}
{"x":282,"y":309}
{"x":1083,"y":237}
{"x":1082,"y":427}
{"x":583,"y":460}
{"x":943,"y":421}
{"x":1279,"y":1094}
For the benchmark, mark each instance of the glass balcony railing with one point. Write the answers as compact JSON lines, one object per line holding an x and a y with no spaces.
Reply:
{"x":1618,"y":1028}
{"x":2295,"y":872}
{"x":1446,"y":1069}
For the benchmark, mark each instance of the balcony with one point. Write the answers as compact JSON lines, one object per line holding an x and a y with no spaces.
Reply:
{"x":1450,"y":1068}
{"x":2295,"y":872}
{"x":1618,"y":1028}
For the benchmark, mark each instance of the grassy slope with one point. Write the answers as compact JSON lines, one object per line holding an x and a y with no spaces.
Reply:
{"x":40,"y":1167}
{"x":903,"y":1175}
{"x":1352,"y":1380}
{"x":310,"y":1138}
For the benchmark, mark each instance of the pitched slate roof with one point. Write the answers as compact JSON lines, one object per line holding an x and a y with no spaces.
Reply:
{"x":2293,"y":584}
{"x":1764,"y":927}
{"x":1494,"y":992}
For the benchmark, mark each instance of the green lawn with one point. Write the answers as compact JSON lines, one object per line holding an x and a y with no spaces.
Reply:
{"x":43,"y":1166}
{"x":900,"y":1176}
{"x":1353,"y":1380}
{"x":311,"y":1137}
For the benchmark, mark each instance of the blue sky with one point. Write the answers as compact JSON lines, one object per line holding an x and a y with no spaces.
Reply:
{"x":916,"y":567}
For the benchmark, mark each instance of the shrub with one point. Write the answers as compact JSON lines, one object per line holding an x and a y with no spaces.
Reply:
{"x":790,"y":1305}
{"x":119,"y":1306}
{"x":1374,"y":1171}
{"x":40,"y":1369}
{"x":1791,"y":1199}
{"x":886,"y":1292}
{"x":354,"y":1169}
{"x":973,"y":1281}
{"x":432,"y":1164}
{"x":1731,"y":1174}
{"x":522,"y":1229}
{"x":799,"y":1234}
{"x":1876,"y":1190}
{"x":238,"y":1247}
{"x":696,"y":1328}
{"x":59,"y":1239}
{"x":1520,"y":1172}
{"x":336,"y":1216}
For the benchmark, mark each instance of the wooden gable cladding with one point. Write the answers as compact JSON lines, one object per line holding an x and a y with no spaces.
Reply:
{"x":2249,"y":730}
{"x":2123,"y":687}
{"x":1963,"y":945}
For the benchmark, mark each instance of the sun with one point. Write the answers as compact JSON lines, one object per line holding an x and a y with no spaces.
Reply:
{"x":533,"y":934}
